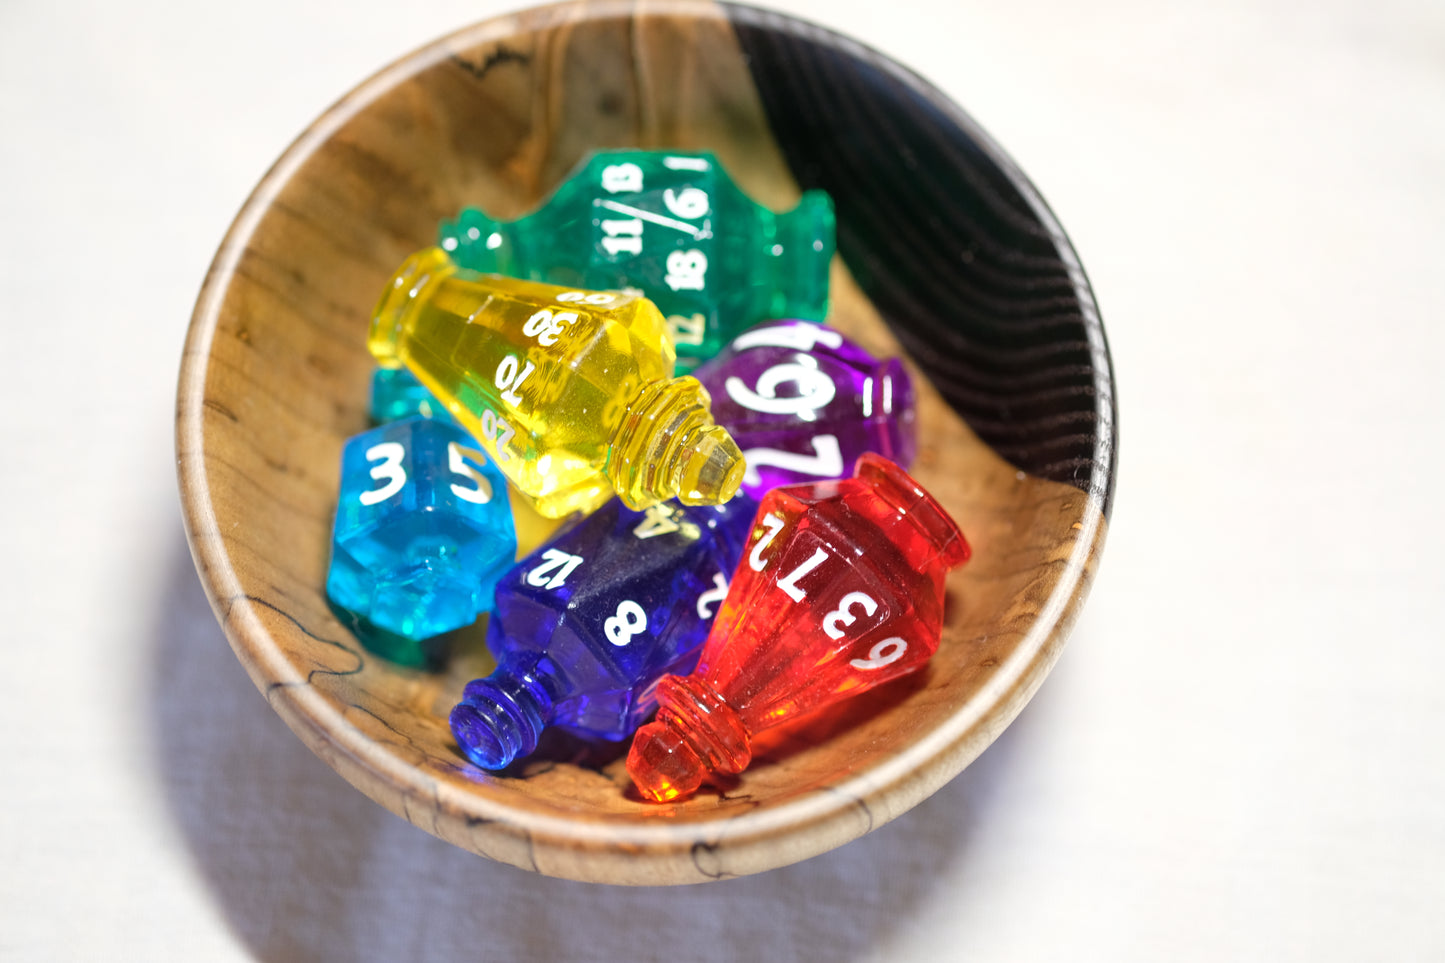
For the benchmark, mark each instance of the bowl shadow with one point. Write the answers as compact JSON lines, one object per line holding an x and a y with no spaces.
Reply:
{"x":303,"y":866}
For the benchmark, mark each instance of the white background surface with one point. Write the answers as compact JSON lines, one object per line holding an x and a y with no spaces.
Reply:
{"x":1239,"y":756}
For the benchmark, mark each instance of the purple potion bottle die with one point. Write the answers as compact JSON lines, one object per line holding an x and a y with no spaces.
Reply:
{"x":585,"y":626}
{"x":803,"y":402}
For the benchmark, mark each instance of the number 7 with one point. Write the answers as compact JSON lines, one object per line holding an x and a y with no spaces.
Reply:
{"x":825,"y":462}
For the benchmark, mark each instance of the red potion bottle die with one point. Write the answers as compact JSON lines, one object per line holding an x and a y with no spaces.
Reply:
{"x":840,"y":588}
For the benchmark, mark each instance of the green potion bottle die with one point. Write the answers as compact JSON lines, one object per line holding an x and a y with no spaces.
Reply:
{"x":673,"y":226}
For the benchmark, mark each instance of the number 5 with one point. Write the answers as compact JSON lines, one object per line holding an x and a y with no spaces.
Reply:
{"x":456,"y":462}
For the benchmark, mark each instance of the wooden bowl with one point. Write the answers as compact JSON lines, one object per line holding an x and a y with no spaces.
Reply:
{"x":945,"y":250}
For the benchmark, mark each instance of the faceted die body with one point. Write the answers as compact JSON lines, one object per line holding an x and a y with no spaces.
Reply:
{"x":396,"y":394}
{"x":585,"y":626}
{"x":423,"y":529}
{"x":803,"y":402}
{"x":840,"y":589}
{"x":570,"y":391}
{"x":674,"y":226}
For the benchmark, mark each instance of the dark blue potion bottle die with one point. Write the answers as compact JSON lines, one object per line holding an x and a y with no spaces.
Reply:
{"x":586,"y":625}
{"x":423,"y":529}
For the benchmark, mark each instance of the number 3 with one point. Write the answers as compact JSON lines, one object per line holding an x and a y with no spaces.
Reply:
{"x":391,"y":453}
{"x":839,"y":617}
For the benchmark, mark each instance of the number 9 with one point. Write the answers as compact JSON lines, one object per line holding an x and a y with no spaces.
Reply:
{"x":815,"y":388}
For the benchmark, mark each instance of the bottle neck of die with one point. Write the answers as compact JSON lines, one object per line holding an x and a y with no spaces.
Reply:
{"x":696,"y":733}
{"x":930,"y":533}
{"x":501,"y":717}
{"x":410,"y":286}
{"x":667,"y":446}
{"x":798,"y":254}
{"x":478,"y":243}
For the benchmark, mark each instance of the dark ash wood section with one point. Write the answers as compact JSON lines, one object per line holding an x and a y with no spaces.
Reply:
{"x":274,"y":379}
{"x":950,"y":242}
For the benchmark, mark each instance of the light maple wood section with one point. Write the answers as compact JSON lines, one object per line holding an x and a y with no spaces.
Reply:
{"x":275,"y":378}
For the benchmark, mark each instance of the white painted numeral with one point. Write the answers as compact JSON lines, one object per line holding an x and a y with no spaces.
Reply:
{"x":586,"y":297}
{"x":547,"y":326}
{"x":884,"y":653}
{"x":717,"y":593}
{"x":686,"y":270}
{"x":456,"y":461}
{"x":623,"y":237}
{"x":658,"y":520}
{"x":815,"y":388}
{"x":774,"y":525}
{"x":498,"y":432}
{"x":789,"y":582}
{"x":825,"y":462}
{"x":691,"y":203}
{"x":553,"y":560}
{"x":686,"y":330}
{"x":835,"y":620}
{"x":686,"y":164}
{"x":800,"y":337}
{"x":510,"y":375}
{"x":617,"y":178}
{"x":629,"y":620}
{"x":390,"y":453}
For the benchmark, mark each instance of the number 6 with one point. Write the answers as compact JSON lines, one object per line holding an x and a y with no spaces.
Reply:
{"x":884,"y":653}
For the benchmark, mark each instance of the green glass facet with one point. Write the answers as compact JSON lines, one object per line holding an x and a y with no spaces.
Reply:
{"x":673,"y":226}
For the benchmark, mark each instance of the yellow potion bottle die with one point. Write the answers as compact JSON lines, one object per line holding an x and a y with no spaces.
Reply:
{"x":572,"y":392}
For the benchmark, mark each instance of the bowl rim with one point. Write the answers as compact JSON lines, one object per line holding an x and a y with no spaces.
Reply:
{"x":827,"y":815}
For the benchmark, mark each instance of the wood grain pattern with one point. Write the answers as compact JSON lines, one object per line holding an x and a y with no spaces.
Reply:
{"x":274,"y":380}
{"x":998,"y":310}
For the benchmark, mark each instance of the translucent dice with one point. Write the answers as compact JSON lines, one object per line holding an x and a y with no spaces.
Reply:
{"x":674,"y":226}
{"x":585,"y":626}
{"x":423,"y":529}
{"x":803,"y":402}
{"x":571,"y":391}
{"x":840,"y":589}
{"x":396,"y":394}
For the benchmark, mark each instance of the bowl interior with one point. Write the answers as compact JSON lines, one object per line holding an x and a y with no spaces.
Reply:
{"x":945,"y":251}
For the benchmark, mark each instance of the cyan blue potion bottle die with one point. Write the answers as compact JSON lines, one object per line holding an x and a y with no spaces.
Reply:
{"x":423,"y":529}
{"x":396,"y":394}
{"x":585,"y":626}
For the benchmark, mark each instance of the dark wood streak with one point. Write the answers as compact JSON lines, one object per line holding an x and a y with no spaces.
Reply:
{"x":301,"y":626}
{"x":220,"y":409}
{"x":498,"y":55}
{"x":701,"y":849}
{"x":857,"y":802}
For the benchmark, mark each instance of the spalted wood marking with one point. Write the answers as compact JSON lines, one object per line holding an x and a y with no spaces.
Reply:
{"x":275,"y":379}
